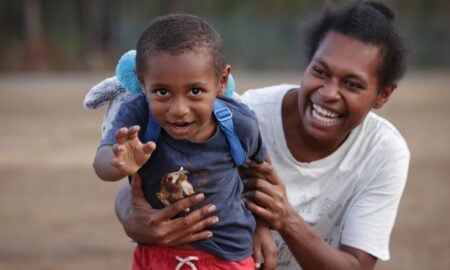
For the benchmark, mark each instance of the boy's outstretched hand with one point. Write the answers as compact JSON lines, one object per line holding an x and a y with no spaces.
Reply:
{"x":129,"y":152}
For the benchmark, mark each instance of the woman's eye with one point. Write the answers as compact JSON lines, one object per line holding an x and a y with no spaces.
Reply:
{"x":161,"y":92}
{"x":353,"y":85}
{"x":319,"y":72}
{"x":196,"y":91}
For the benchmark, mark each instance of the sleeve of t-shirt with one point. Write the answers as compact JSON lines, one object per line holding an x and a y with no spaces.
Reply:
{"x":248,"y":132}
{"x":131,"y":112}
{"x":369,"y":221}
{"x":256,"y":148}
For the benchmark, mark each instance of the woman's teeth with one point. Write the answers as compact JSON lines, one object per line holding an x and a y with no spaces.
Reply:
{"x":324,"y":115}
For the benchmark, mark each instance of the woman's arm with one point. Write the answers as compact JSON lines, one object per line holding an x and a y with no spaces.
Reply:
{"x":267,"y":199}
{"x":144,"y":224}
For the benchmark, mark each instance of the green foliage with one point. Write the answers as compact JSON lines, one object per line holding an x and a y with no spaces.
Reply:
{"x":261,"y":34}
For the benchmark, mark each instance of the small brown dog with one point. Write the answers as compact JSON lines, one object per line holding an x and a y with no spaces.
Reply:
{"x":175,"y":186}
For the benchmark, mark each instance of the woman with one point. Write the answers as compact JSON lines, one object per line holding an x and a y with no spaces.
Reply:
{"x":338,"y":169}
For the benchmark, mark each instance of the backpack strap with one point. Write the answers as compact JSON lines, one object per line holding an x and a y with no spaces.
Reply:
{"x":225,"y":122}
{"x":152,"y":130}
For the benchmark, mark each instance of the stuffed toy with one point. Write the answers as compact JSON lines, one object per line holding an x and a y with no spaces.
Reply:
{"x":124,"y":85}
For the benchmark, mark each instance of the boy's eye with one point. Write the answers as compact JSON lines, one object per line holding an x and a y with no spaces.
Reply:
{"x":196,"y":91}
{"x":161,"y":92}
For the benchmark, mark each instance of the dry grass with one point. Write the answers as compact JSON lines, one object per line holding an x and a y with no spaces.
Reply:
{"x":55,"y":213}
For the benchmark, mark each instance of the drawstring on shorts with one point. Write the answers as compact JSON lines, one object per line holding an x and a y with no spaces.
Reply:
{"x":186,"y":261}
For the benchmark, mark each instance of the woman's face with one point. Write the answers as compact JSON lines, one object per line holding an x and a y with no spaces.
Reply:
{"x":339,"y":87}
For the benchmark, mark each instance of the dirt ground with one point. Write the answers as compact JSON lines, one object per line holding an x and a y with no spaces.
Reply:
{"x":55,"y":213}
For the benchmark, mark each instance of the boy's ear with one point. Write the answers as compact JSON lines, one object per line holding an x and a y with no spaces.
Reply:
{"x":384,"y":96}
{"x":223,"y":80}
{"x":140,"y":80}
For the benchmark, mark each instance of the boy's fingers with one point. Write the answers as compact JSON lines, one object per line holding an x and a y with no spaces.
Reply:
{"x":133,"y":132}
{"x":270,"y":262}
{"x":121,"y":135}
{"x":149,"y":147}
{"x":257,"y":255}
{"x":117,"y":163}
{"x":117,"y":148}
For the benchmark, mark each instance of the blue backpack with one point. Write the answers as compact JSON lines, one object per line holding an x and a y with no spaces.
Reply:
{"x":225,"y":122}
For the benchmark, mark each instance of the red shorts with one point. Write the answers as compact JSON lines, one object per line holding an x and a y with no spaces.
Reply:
{"x":166,"y":258}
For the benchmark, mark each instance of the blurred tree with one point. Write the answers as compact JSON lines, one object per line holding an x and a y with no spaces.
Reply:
{"x":35,"y":40}
{"x":84,"y":34}
{"x":98,"y":20}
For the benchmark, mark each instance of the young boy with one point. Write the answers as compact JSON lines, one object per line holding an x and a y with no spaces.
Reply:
{"x":181,"y":69}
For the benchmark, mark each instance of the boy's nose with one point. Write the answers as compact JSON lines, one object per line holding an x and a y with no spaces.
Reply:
{"x":179,"y":107}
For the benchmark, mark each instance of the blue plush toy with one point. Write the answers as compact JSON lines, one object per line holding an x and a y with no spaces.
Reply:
{"x":125,"y":72}
{"x":114,"y":90}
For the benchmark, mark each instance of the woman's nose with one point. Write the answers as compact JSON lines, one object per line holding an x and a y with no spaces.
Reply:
{"x":330,"y":90}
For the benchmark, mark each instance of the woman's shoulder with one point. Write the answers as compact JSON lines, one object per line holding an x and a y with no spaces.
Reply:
{"x":383,"y":133}
{"x":264,"y":95}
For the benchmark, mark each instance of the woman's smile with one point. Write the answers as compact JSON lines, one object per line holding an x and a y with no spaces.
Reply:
{"x":324,"y":116}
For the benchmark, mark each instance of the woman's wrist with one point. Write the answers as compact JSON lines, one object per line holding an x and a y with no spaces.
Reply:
{"x":291,"y":224}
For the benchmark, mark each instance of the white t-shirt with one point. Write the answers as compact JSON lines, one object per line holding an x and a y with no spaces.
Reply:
{"x":350,"y":197}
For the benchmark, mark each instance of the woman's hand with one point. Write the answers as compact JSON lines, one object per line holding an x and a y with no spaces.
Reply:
{"x":266,"y":195}
{"x":145,"y":224}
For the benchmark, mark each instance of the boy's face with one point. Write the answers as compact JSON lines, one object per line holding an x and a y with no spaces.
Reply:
{"x":340,"y":87}
{"x":181,"y":90}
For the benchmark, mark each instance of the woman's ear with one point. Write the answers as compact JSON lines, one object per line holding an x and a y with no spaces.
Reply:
{"x":384,"y":96}
{"x":223,"y":80}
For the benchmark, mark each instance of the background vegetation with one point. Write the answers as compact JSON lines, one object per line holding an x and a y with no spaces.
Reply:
{"x":90,"y":35}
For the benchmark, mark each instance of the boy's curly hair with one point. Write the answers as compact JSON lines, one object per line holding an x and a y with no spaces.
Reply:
{"x":176,"y":34}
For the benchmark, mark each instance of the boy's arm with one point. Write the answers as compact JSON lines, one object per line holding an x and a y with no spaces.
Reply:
{"x":103,"y":164}
{"x":114,"y":162}
{"x":265,"y":250}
